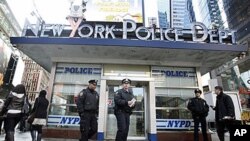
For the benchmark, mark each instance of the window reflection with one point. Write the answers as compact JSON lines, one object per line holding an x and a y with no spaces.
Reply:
{"x":173,"y":114}
{"x":137,"y":119}
{"x":63,"y":110}
{"x":162,"y":101}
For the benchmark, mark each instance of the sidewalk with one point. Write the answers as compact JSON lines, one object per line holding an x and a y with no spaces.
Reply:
{"x":19,"y":136}
{"x":26,"y":137}
{"x":215,"y":137}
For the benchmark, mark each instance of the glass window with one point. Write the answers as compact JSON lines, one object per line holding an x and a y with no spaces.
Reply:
{"x":173,"y":88}
{"x":173,"y":114}
{"x":137,"y":119}
{"x":171,"y":102}
{"x":174,"y":77}
{"x":70,"y":79}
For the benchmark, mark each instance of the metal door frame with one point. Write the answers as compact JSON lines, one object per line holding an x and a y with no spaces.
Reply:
{"x":146,"y":93}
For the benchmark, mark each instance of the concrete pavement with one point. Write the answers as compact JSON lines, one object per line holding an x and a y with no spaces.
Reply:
{"x":19,"y":136}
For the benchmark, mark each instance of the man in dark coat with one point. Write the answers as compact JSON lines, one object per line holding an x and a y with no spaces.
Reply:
{"x":199,"y":109}
{"x":224,"y":111}
{"x":87,"y":105}
{"x":124,"y":104}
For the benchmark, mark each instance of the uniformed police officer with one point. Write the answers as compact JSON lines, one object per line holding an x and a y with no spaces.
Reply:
{"x":124,"y":104}
{"x":87,"y":105}
{"x":199,"y":109}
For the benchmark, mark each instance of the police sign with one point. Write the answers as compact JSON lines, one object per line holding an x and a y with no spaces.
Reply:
{"x":198,"y":32}
{"x":172,"y":72}
{"x":78,"y":70}
{"x":63,"y":120}
{"x":174,"y":124}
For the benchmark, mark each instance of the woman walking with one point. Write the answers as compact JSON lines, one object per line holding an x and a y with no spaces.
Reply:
{"x":39,"y":112}
{"x":13,"y":107}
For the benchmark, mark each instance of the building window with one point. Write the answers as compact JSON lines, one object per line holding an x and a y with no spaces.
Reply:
{"x":67,"y":85}
{"x":173,"y":88}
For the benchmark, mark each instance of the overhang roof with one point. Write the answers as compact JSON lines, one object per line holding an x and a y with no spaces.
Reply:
{"x":244,"y":65}
{"x":117,"y":51}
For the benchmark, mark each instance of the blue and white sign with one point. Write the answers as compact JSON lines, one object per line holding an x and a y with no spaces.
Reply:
{"x":174,"y":124}
{"x":173,"y":72}
{"x":79,"y":70}
{"x":63,"y":120}
{"x":74,"y":73}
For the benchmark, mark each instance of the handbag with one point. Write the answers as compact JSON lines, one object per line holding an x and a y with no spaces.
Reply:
{"x":31,"y":118}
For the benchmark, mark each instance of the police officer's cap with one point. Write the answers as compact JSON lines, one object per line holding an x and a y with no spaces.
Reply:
{"x":93,"y":81}
{"x":197,"y":91}
{"x":126,"y":81}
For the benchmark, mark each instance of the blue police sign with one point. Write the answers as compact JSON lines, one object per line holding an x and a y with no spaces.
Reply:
{"x":78,"y":70}
{"x":63,"y":120}
{"x":174,"y":123}
{"x":172,"y":73}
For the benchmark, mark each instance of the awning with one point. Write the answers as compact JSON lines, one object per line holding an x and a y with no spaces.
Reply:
{"x":117,"y":51}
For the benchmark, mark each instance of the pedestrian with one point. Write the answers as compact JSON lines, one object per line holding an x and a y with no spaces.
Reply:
{"x":199,"y":109}
{"x":39,"y":113}
{"x":124,"y":104}
{"x":22,"y":124}
{"x":2,"y":117}
{"x":13,"y":107}
{"x":224,"y":111}
{"x":87,"y":106}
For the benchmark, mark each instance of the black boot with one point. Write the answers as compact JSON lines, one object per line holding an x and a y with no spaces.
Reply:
{"x":39,"y":137}
{"x":33,"y":135}
{"x":10,"y":136}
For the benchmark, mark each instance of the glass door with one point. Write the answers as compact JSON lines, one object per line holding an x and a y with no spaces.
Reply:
{"x":137,"y":119}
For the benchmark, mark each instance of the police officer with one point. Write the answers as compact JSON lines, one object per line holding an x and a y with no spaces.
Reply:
{"x":199,"y":109}
{"x":124,"y":104}
{"x":87,"y":105}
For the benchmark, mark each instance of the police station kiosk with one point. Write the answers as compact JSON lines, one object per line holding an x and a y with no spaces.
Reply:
{"x":165,"y":67}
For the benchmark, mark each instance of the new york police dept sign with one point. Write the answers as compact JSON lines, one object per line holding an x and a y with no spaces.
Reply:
{"x":198,"y":32}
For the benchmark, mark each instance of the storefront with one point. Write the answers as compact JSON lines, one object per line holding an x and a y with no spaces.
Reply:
{"x":165,"y":69}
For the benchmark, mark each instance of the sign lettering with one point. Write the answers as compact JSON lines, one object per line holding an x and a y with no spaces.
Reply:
{"x":63,"y":120}
{"x":240,"y":132}
{"x":171,"y":73}
{"x":173,"y":123}
{"x":78,"y":70}
{"x":198,"y":32}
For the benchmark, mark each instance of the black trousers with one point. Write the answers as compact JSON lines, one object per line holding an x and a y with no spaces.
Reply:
{"x":9,"y":125}
{"x":88,"y":125}
{"x":11,"y":121}
{"x":220,"y":126}
{"x":197,"y":121}
{"x":22,"y":124}
{"x":123,"y":121}
{"x":38,"y":128}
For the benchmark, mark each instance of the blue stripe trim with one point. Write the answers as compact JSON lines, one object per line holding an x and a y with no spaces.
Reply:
{"x":53,"y":122}
{"x":128,"y":43}
{"x":100,"y":136}
{"x":152,"y":137}
{"x":160,"y":126}
{"x":59,"y":72}
{"x":53,"y":117}
{"x":97,"y":73}
{"x":59,"y":67}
